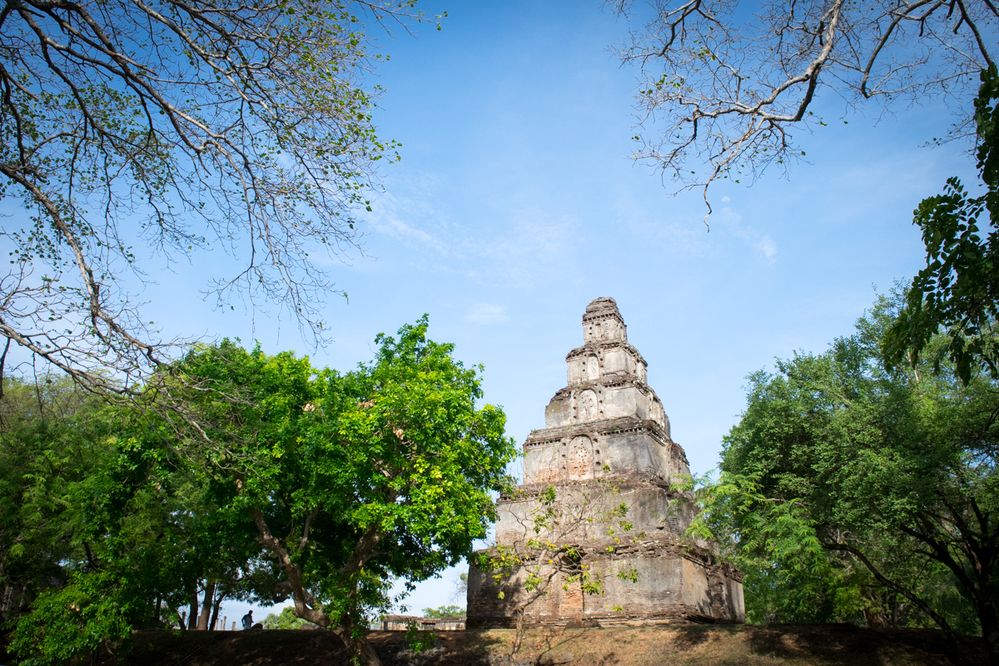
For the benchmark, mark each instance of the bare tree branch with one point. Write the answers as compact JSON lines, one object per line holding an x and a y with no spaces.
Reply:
{"x":130,"y":127}
{"x":722,"y":91}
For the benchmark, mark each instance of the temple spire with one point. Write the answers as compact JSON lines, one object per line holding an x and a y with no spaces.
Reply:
{"x":602,"y":322}
{"x":605,"y":354}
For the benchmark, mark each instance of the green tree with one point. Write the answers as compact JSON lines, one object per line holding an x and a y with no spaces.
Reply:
{"x":56,"y":491}
{"x":286,"y":619}
{"x":90,"y":615}
{"x":41,"y":460}
{"x":444,"y":611}
{"x":104,"y":530}
{"x":958,"y":290}
{"x":854,"y":488}
{"x":268,"y":479}
{"x":133,"y":132}
{"x":351,"y":480}
{"x":789,"y":577}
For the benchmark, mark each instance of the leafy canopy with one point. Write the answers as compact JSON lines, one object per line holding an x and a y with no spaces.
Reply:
{"x":272,"y":477}
{"x":958,"y":290}
{"x":351,"y":479}
{"x":853,"y":491}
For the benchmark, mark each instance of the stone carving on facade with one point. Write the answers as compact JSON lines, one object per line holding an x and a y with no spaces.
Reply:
{"x":597,"y":527}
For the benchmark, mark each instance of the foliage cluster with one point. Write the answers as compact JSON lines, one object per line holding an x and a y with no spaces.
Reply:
{"x":853,"y":491}
{"x":958,"y":290}
{"x":444,"y":611}
{"x":244,"y":475}
{"x":286,"y":619}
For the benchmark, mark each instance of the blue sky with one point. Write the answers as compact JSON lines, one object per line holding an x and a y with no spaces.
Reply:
{"x":516,"y":202}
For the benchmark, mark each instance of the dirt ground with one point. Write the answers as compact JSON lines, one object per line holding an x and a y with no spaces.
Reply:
{"x":624,"y":646}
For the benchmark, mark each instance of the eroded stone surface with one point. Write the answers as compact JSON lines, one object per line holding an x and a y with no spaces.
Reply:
{"x":598,"y":524}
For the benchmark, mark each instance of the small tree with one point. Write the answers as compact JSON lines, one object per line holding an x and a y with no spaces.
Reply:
{"x":286,"y":619}
{"x":444,"y":612}
{"x":552,"y":552}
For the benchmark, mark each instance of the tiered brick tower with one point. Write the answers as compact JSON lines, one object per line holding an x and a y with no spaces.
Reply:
{"x":610,"y":547}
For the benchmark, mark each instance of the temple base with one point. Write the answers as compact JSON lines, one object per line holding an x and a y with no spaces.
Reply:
{"x":638,"y":583}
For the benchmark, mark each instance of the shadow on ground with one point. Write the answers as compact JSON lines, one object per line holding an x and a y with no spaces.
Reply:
{"x":819,"y":645}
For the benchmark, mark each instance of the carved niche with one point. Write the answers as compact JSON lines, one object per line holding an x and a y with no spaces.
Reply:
{"x":579,"y":458}
{"x":587,"y":406}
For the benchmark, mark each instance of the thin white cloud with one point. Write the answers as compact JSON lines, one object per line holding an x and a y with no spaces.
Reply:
{"x":535,"y":245}
{"x":486,"y":314}
{"x":516,"y":250}
{"x":389,"y":224}
{"x":768,"y":248}
{"x":676,"y":237}
{"x":728,"y":219}
{"x":410,"y":219}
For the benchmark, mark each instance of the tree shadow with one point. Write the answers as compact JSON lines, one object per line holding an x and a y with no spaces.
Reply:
{"x":553,"y":645}
{"x":689,"y":637}
{"x":548,"y":646}
{"x":845,"y":643}
{"x":562,"y":645}
{"x":214,"y":648}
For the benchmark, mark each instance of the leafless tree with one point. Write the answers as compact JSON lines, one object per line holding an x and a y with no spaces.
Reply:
{"x":138,"y":131}
{"x":723,"y":87}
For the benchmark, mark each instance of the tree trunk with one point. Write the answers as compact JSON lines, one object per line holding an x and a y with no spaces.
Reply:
{"x":192,"y":617}
{"x":989,"y":620}
{"x":306,"y":607}
{"x":988,"y":614}
{"x":355,"y":638}
{"x":206,"y":606}
{"x":215,"y":609}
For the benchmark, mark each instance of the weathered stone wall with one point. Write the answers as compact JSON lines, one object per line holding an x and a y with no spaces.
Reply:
{"x":623,"y":447}
{"x":587,"y":513}
{"x":589,"y":402}
{"x":642,"y":581}
{"x":595,"y":360}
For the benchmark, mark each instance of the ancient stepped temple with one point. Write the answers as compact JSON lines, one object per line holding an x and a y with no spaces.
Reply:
{"x":595,"y":534}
